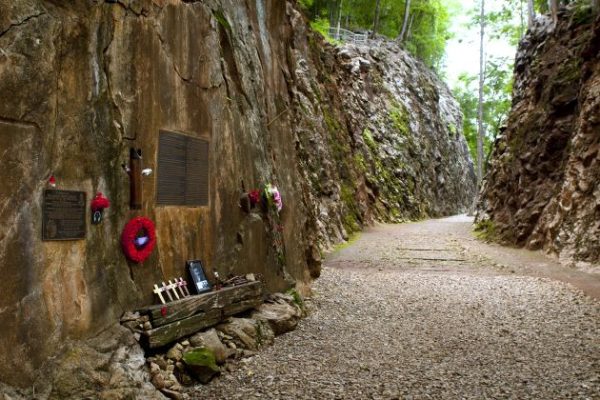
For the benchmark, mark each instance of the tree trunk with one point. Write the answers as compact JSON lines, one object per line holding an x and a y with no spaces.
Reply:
{"x":332,"y":6}
{"x":376,"y":20}
{"x":596,"y":6}
{"x":409,"y":30}
{"x":405,"y":24}
{"x":554,"y":11}
{"x":522,"y":20}
{"x":339,"y":21}
{"x":530,"y":12}
{"x":480,"y":131}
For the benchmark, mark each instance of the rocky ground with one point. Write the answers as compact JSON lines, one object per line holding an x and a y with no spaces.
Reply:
{"x":422,"y":310}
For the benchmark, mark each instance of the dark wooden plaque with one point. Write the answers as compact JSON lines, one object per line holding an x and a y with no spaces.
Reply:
{"x":182,"y":177}
{"x":63,"y":215}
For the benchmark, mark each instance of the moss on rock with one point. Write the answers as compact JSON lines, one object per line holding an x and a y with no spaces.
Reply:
{"x":485,"y":229}
{"x":201,"y":363}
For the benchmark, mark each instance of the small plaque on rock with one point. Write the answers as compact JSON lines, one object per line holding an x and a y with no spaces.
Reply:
{"x":63,"y":215}
{"x":197,"y":273}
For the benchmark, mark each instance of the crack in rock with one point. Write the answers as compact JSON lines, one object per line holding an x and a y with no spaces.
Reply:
{"x":187,"y":80}
{"x":20,"y":23}
{"x":126,"y":5}
{"x":13,"y":121}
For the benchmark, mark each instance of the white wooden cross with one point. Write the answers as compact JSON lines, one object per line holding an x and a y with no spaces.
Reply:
{"x":173,"y":288}
{"x":179,"y":287}
{"x":165,"y":289}
{"x":158,"y":291}
{"x":183,"y":287}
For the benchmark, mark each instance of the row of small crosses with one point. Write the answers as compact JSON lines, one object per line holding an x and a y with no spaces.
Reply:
{"x":178,"y":289}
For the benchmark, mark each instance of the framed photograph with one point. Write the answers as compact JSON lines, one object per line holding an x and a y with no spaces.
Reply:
{"x":198,"y":276}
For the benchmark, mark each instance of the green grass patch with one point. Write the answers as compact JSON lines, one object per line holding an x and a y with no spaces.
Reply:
{"x":297,"y":297}
{"x":321,"y":25}
{"x":485,"y":230}
{"x":343,"y":245}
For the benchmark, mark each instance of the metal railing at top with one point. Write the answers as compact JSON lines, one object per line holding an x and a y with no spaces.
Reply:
{"x":348,"y":36}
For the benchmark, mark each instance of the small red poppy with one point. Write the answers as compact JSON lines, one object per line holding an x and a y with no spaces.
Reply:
{"x":100,"y":202}
{"x":254,"y":196}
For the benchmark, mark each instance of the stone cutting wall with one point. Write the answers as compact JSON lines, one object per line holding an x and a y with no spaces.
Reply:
{"x":349,"y":136}
{"x":542,"y":190}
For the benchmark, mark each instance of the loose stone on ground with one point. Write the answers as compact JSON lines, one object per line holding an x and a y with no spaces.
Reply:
{"x":383,"y":328}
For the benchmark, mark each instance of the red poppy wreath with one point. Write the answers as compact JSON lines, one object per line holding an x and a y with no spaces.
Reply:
{"x":138,"y":239}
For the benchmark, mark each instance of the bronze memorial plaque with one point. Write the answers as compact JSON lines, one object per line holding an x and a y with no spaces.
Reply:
{"x":63,"y":215}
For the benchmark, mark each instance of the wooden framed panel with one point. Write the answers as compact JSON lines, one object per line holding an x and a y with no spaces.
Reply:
{"x":182,"y":177}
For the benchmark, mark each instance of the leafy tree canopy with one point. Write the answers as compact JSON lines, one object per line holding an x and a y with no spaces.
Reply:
{"x":426,"y":26}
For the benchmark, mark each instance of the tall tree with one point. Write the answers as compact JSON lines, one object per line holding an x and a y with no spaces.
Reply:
{"x":521,"y":30}
{"x":339,"y":21}
{"x":405,"y":23}
{"x":333,"y":7}
{"x":596,"y":6}
{"x":480,"y":131}
{"x":376,"y":20}
{"x":554,"y":10}
{"x":530,"y":12}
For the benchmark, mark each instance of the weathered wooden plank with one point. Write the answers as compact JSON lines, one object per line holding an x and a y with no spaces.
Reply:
{"x":241,"y":306}
{"x":188,"y":306}
{"x":166,"y":334}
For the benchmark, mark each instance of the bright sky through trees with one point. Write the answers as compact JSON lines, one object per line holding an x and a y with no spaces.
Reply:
{"x":462,"y":50}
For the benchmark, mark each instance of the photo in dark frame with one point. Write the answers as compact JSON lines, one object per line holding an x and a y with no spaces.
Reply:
{"x":196,"y":271}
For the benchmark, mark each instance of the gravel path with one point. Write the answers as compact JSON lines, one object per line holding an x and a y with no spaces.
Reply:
{"x":409,"y":312}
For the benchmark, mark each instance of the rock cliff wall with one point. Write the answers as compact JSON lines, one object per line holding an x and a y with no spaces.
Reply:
{"x":349,"y":136}
{"x":542,"y":189}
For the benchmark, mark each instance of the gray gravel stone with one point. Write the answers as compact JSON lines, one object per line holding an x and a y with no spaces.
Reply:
{"x":387,"y":322}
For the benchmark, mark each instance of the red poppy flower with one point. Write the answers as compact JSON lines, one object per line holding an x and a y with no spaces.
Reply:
{"x":100,"y":202}
{"x":254,"y":197}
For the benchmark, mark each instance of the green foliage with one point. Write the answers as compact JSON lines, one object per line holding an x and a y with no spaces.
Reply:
{"x":496,"y":106}
{"x":427,"y":31}
{"x":297,"y":297}
{"x":508,"y":25}
{"x":583,"y":9}
{"x":583,"y":13}
{"x":306,"y":4}
{"x":321,"y":25}
{"x":465,"y":93}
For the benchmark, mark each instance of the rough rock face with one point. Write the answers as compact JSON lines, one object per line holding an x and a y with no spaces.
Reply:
{"x":348,"y":136}
{"x":379,"y":137}
{"x":111,"y":365}
{"x":542,"y":189}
